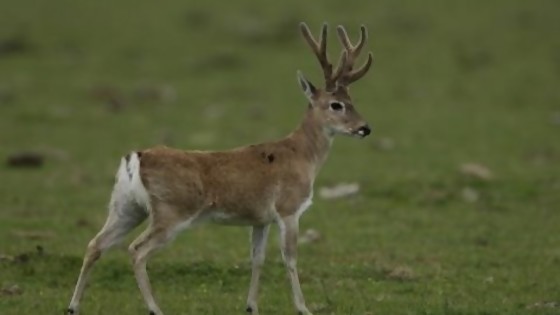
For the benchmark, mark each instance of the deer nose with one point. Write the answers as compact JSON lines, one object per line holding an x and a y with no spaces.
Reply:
{"x":364,"y":130}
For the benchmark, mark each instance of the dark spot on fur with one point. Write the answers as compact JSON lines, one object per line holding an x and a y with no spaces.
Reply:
{"x":267,"y":157}
{"x":249,"y":309}
{"x":127,"y":158}
{"x":139,"y":154}
{"x":70,"y":311}
{"x":270,"y":158}
{"x":152,"y":313}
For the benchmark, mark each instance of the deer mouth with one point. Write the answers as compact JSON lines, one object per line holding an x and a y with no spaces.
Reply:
{"x":361,"y":132}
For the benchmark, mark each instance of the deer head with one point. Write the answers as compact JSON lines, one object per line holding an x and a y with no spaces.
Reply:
{"x":333,"y":104}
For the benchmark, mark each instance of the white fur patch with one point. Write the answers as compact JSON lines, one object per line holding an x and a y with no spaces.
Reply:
{"x":305,"y":205}
{"x":221,"y":216}
{"x":183,"y":225}
{"x":128,"y":185}
{"x":139,"y":192}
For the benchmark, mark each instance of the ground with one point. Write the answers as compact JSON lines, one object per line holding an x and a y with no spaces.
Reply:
{"x":453,"y":83}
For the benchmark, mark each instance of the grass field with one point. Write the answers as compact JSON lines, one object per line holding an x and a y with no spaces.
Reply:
{"x":454,"y":82}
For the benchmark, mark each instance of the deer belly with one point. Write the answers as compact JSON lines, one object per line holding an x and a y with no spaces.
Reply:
{"x":224,"y":217}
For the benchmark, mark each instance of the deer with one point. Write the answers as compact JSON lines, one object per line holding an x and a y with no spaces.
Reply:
{"x":254,"y":185}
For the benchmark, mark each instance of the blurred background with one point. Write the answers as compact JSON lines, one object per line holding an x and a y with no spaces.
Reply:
{"x":453,"y":201}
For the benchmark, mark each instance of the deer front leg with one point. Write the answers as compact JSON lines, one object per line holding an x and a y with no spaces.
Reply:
{"x":259,"y":235}
{"x":289,"y":229}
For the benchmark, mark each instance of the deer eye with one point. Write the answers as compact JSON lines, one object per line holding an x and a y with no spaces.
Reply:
{"x":337,"y":106}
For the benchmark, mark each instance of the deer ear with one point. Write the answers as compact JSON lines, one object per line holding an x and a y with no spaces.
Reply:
{"x":307,"y":87}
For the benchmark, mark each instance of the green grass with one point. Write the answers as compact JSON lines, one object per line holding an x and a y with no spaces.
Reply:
{"x":452,"y":82}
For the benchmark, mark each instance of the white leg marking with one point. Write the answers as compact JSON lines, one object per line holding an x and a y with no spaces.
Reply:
{"x":289,"y":227}
{"x":305,"y":205}
{"x":259,"y":235}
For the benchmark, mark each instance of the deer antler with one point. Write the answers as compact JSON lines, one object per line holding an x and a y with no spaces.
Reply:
{"x":347,"y":75}
{"x":320,"y":50}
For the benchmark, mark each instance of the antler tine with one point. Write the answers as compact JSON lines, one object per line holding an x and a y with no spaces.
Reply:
{"x":323,"y":39}
{"x":363,"y":39}
{"x":357,"y":74}
{"x":345,"y":40}
{"x":342,"y":61}
{"x":309,"y":38}
{"x":343,"y":36}
{"x":320,"y":50}
{"x":348,"y":76}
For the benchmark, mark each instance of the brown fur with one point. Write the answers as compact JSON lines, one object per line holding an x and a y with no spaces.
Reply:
{"x":252,"y":185}
{"x":244,"y":182}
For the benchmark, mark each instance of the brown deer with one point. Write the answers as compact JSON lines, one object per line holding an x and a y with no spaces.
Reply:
{"x":253,"y":185}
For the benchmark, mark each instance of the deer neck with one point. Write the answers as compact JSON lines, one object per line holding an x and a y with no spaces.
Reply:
{"x":313,"y":140}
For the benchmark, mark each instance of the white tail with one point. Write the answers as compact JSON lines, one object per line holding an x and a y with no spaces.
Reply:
{"x":254,"y":185}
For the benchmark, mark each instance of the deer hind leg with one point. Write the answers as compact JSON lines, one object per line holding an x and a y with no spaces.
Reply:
{"x":289,"y":235}
{"x":123,"y":216}
{"x":125,"y":213}
{"x":164,"y":226}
